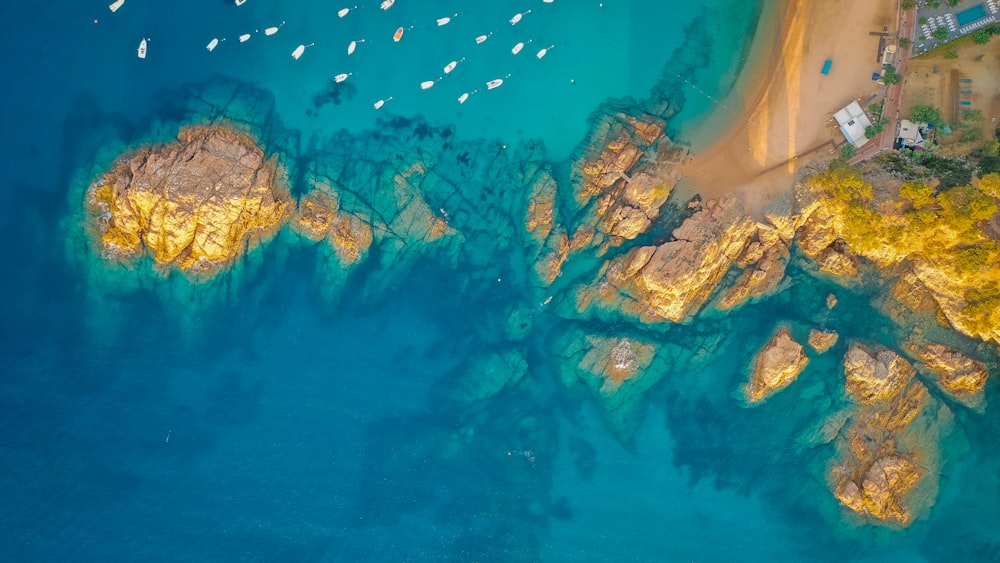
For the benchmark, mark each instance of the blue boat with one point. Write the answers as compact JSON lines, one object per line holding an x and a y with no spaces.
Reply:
{"x":826,"y":66}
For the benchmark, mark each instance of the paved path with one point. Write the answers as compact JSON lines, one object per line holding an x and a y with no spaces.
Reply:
{"x":893,"y":94}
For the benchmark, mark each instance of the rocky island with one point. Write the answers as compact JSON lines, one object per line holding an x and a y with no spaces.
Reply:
{"x":197,"y":204}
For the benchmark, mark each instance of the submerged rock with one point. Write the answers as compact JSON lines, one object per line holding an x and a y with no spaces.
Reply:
{"x":776,"y":367}
{"x":196,"y":204}
{"x":320,"y":217}
{"x":617,"y":370}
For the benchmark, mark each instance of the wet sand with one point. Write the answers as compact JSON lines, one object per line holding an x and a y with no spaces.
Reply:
{"x":779,"y":117}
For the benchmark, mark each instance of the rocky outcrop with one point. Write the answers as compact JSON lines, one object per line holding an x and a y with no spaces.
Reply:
{"x":875,"y":377}
{"x":196,"y":204}
{"x":759,"y":278}
{"x":319,"y":217}
{"x":673,"y":280}
{"x":957,"y":374}
{"x":882,"y":490}
{"x":891,"y":446}
{"x":777,"y":365}
{"x":622,"y":178}
{"x":822,"y":340}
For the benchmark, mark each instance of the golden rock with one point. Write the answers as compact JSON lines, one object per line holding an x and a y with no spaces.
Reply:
{"x":822,"y":340}
{"x":674,"y":279}
{"x":873,"y":378}
{"x":777,"y":365}
{"x":958,"y":374}
{"x":196,"y":204}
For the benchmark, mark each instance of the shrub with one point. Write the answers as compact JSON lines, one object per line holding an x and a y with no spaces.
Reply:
{"x":926,"y":114}
{"x":982,"y":36}
{"x":848,"y":151}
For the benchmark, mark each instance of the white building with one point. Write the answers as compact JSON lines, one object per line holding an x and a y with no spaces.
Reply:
{"x":909,"y":134}
{"x":853,"y":122}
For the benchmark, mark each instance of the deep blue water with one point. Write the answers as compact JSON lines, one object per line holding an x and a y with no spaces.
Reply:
{"x":146,"y":420}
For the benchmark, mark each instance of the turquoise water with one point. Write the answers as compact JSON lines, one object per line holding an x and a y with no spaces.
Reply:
{"x":286,"y":414}
{"x":972,"y":14}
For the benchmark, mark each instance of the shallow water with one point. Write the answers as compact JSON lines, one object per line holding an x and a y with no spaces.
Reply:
{"x":264,"y":420}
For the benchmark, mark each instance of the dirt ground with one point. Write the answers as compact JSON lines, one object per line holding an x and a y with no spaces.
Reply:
{"x":935,"y":80}
{"x":780,"y":115}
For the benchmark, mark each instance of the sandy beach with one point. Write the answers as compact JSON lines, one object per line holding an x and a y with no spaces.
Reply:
{"x":779,"y":116}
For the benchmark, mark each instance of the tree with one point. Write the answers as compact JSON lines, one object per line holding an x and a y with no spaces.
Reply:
{"x":909,"y":4}
{"x":890,"y":76}
{"x":990,"y":185}
{"x":848,"y":151}
{"x":873,"y":130}
{"x":918,"y":192}
{"x":952,"y":3}
{"x":926,"y":114}
{"x":904,"y":42}
{"x":982,"y":36}
{"x":940,"y":34}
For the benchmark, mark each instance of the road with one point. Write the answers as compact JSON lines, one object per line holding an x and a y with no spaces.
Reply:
{"x":907,"y":23}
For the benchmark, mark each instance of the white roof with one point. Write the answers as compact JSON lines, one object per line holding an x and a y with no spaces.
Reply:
{"x":853,"y":121}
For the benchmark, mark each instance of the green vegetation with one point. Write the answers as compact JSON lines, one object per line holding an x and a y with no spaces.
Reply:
{"x":848,"y":151}
{"x":890,"y":76}
{"x":952,"y":3}
{"x":940,"y":34}
{"x":939,"y":231}
{"x":922,"y":21}
{"x":876,"y":108}
{"x":951,"y":54}
{"x":934,"y":3}
{"x":904,"y":43}
{"x":873,"y":130}
{"x":927,"y":114}
{"x":982,"y":36}
{"x":908,"y":4}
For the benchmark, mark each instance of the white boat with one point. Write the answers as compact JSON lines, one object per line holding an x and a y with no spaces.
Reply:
{"x":481,"y":38}
{"x":272,"y":30}
{"x":212,"y":44}
{"x":351,"y":47}
{"x":386,"y":4}
{"x":517,"y":48}
{"x":244,"y":38}
{"x":517,"y":18}
{"x":450,"y":66}
{"x":342,"y":12}
{"x":443,"y":21}
{"x":463,"y":97}
{"x":495,"y":83}
{"x":541,"y":53}
{"x":426,"y":84}
{"x":142,"y":48}
{"x":341,"y":77}
{"x":240,"y":2}
{"x":299,"y":50}
{"x":115,"y":5}
{"x":380,"y":103}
